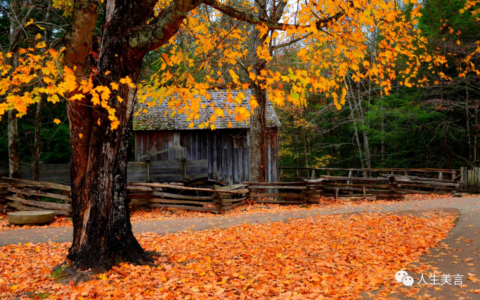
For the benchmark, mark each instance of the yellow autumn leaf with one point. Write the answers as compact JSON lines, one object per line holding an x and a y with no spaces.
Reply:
{"x":114,"y":124}
{"x":57,"y":121}
{"x":219,"y":112}
{"x":113,"y":84}
{"x":127,"y":81}
{"x":234,"y":76}
{"x":38,"y":36}
{"x":41,"y":45}
{"x":54,"y":99}
{"x":29,"y":22}
{"x":77,"y":97}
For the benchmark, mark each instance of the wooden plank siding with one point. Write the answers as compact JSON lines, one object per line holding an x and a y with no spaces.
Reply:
{"x":226,"y":150}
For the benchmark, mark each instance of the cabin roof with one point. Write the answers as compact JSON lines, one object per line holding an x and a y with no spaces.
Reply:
{"x":158,"y":117}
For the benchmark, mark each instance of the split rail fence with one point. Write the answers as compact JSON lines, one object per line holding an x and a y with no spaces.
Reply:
{"x":24,"y":195}
{"x":17,"y":194}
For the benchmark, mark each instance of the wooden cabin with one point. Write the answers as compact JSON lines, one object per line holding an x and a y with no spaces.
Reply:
{"x":225,"y":150}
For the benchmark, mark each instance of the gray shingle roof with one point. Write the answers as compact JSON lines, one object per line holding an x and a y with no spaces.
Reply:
{"x":157,"y":117}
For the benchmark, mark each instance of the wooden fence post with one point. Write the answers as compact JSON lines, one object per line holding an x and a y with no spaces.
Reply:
{"x":349,"y":175}
{"x":464,"y":178}
{"x":313,"y":174}
{"x":218,"y":201}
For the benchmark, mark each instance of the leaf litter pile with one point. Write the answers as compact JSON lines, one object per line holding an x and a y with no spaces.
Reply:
{"x":175,"y":213}
{"x":327,"y":257}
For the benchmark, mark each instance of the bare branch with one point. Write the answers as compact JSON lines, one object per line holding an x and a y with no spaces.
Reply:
{"x":286,"y":44}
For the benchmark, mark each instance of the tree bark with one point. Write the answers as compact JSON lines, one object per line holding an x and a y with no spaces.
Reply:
{"x":101,"y":218}
{"x":38,"y":117}
{"x":352,"y":116}
{"x":258,"y":121}
{"x":102,"y":234}
{"x":15,"y":39}
{"x":37,"y":146}
{"x":13,"y":152}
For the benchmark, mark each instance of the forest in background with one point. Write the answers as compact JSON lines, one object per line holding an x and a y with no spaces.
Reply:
{"x":433,"y":126}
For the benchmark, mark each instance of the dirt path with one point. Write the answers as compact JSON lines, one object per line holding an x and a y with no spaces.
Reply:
{"x":62,"y":234}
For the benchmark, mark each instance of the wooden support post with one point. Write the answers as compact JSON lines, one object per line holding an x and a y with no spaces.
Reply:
{"x":148,"y":166}
{"x":335,"y":193}
{"x":313,"y":174}
{"x":281,"y":175}
{"x":350,"y":193}
{"x":364,"y":193}
{"x":297,"y":173}
{"x":185,"y":169}
{"x":440,"y":175}
{"x":406,"y":173}
{"x":464,"y":178}
{"x":328,"y":172}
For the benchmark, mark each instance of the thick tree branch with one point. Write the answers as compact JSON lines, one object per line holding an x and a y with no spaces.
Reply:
{"x":151,"y":36}
{"x":252,"y":19}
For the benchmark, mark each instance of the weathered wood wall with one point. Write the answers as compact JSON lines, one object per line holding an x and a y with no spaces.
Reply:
{"x":160,"y":171}
{"x":226,"y":150}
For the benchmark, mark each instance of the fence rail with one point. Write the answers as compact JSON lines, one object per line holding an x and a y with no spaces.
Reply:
{"x":18,"y":194}
{"x":35,"y":195}
{"x":307,"y":172}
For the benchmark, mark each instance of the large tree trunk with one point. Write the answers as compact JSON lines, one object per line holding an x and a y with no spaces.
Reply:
{"x":101,"y":218}
{"x":258,"y":121}
{"x":258,"y":137}
{"x":102,"y":229}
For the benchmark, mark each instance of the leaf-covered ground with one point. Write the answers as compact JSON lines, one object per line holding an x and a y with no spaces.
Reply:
{"x":328,"y":257}
{"x":174,"y":213}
